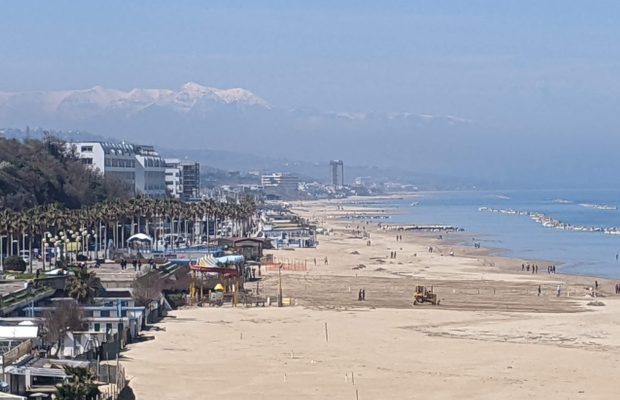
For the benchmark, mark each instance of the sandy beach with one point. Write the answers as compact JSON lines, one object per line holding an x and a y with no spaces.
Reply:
{"x":492,"y":336}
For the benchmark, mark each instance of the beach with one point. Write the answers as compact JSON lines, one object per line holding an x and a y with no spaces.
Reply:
{"x":491,"y":337}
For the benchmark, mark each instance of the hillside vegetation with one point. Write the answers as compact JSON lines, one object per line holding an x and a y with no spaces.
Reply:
{"x":35,"y":172}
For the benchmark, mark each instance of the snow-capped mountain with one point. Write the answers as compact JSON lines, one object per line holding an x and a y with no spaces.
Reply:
{"x":84,"y":104}
{"x":197,"y":116}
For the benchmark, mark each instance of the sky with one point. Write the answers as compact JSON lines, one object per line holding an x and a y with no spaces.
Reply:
{"x":542,"y":73}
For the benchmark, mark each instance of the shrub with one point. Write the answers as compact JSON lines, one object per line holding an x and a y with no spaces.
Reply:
{"x":14,"y":263}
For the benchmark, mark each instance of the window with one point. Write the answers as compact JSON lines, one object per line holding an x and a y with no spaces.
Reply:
{"x":87,"y":149}
{"x":97,"y":327}
{"x":105,"y":313}
{"x":87,"y":161}
{"x":108,"y":327}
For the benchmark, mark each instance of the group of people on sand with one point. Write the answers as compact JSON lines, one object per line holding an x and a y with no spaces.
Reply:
{"x":137,"y":264}
{"x":534,"y":268}
{"x":399,"y":238}
{"x":617,"y":287}
{"x":392,"y":254}
{"x":325,"y":262}
{"x":361,"y":295}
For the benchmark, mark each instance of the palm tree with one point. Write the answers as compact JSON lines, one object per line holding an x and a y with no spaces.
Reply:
{"x":81,"y":385}
{"x":83,"y":286}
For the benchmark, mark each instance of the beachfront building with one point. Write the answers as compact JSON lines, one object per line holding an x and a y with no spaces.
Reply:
{"x":183,"y":179}
{"x":150,"y":172}
{"x":139,"y":167}
{"x":280,"y":184}
{"x":115,"y":160}
{"x":289,"y":235}
{"x":283,"y":229}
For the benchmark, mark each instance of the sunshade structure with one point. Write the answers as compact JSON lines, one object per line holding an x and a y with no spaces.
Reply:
{"x":140,"y":242}
{"x":140,"y":237}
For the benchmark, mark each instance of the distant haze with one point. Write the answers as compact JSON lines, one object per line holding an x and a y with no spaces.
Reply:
{"x":513,"y":92}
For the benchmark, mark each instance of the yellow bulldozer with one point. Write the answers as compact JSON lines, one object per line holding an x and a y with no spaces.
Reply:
{"x":424,"y":295}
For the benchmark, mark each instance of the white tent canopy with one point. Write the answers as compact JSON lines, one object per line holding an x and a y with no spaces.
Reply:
{"x":140,"y":237}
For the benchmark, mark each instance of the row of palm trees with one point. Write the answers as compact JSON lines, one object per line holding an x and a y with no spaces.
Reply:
{"x":108,"y":224}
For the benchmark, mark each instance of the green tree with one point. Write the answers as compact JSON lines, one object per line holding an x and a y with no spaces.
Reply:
{"x":79,"y":386}
{"x":83,"y":286}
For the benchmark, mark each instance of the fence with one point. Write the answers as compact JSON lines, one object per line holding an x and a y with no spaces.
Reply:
{"x":286,"y":264}
{"x":16,"y":352}
{"x":113,"y":376}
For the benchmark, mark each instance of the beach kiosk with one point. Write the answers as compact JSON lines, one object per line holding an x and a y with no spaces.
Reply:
{"x":219,"y":274}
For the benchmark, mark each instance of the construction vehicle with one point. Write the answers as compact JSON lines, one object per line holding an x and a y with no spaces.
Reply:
{"x":424,"y":295}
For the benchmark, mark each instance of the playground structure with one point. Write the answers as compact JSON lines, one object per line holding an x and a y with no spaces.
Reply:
{"x":221,"y":275}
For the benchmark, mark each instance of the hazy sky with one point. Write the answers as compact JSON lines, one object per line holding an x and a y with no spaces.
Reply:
{"x":459,"y":57}
{"x":543,"y":72}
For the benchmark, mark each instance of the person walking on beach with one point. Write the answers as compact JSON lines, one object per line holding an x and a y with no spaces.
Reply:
{"x":325,"y":260}
{"x":522,"y":267}
{"x":315,"y":261}
{"x":539,"y":290}
{"x":359,"y":295}
{"x":558,"y":291}
{"x":363,"y":294}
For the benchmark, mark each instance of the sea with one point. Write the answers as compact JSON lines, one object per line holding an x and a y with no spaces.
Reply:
{"x":591,"y":253}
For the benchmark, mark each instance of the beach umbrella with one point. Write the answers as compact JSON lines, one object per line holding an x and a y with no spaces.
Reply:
{"x":219,"y":288}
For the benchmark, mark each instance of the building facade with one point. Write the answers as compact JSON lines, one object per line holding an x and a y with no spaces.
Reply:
{"x":183,"y":179}
{"x":173,"y":177}
{"x":336,"y":168}
{"x":280,"y":184}
{"x":140,"y":168}
{"x":150,"y":172}
{"x":190,"y":180}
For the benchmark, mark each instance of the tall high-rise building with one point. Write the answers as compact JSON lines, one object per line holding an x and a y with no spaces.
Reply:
{"x":337,"y":173}
{"x":190,"y":179}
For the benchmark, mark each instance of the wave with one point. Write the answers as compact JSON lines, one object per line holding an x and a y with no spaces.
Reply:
{"x":562,"y":201}
{"x":599,"y":206}
{"x":550,"y":222}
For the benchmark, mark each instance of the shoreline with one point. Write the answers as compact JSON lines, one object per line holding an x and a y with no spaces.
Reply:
{"x":330,"y":344}
{"x":495,"y":255}
{"x":504,"y":251}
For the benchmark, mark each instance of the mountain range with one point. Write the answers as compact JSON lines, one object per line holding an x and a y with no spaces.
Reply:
{"x":201,"y":117}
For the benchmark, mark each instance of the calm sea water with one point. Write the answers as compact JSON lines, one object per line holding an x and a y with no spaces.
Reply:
{"x":581,"y":253}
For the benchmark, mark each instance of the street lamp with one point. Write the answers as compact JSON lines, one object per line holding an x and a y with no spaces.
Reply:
{"x":2,"y":251}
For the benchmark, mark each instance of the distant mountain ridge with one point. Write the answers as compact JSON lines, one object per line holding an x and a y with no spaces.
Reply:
{"x":237,"y":120}
{"x":82,"y":104}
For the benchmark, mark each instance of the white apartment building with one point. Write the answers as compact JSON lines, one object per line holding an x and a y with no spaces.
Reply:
{"x":141,"y":168}
{"x":173,"y":177}
{"x":280,"y":184}
{"x":183,"y":178}
{"x":150,"y":172}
